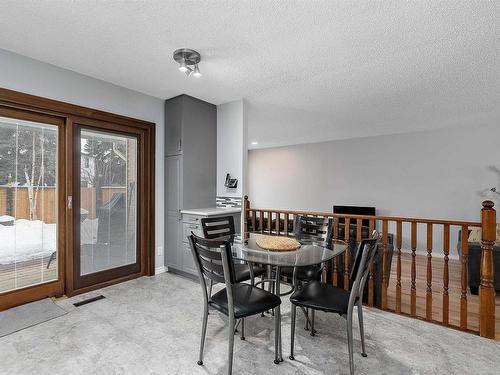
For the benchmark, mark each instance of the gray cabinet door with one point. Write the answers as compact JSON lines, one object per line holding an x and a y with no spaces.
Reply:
{"x":173,"y":126}
{"x":173,"y":184}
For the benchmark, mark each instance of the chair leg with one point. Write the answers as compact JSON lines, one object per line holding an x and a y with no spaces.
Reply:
{"x":349,"y":340}
{"x":52,"y":257}
{"x":230,"y":346}
{"x":292,"y":339}
{"x":306,"y":327}
{"x":277,"y":336}
{"x":210,"y":291}
{"x":242,"y":334}
{"x":361,"y":328}
{"x":313,"y":331}
{"x":203,"y":334}
{"x":263,"y":287}
{"x":272,"y":289}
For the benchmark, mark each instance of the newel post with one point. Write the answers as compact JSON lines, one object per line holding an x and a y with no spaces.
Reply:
{"x":486,"y":289}
{"x":246,"y":215}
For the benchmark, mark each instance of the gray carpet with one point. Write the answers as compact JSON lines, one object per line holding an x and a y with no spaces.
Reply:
{"x":28,"y":315}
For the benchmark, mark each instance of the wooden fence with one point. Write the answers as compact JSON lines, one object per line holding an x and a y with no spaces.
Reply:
{"x":282,"y":222}
{"x":14,"y":201}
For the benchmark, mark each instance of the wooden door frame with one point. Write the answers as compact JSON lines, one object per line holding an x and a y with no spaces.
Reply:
{"x":70,"y":113}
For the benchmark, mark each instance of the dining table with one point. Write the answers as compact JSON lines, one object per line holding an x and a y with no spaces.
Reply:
{"x":310,"y":252}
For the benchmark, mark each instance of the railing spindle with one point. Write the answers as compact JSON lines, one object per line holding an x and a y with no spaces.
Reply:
{"x":347,"y":227}
{"x":399,"y":242}
{"x":335,"y":272}
{"x":413,"y":296}
{"x":371,"y":283}
{"x":446,"y":274}
{"x":261,"y":221}
{"x":428,"y":292}
{"x":269,"y":222}
{"x":385,"y":230}
{"x":277,"y":223}
{"x":254,"y":214}
{"x":286,"y":224}
{"x":464,"y":260}
{"x":246,"y":215}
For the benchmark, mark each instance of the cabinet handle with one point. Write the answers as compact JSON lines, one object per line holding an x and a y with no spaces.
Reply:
{"x":180,"y":144}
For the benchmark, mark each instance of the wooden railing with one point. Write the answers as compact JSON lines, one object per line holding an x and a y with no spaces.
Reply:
{"x":282,"y":222}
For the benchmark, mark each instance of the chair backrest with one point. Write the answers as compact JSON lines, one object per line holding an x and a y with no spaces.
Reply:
{"x":210,"y":257}
{"x":311,"y":228}
{"x":218,"y":227}
{"x":362,"y":264}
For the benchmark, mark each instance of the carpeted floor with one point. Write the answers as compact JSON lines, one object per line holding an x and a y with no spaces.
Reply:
{"x":152,"y":326}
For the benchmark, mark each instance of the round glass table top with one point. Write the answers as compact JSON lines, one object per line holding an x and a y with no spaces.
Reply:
{"x":308,"y":254}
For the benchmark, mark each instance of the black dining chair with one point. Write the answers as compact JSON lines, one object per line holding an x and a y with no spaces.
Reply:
{"x":214,"y":261}
{"x":316,"y":295}
{"x":223,"y":227}
{"x":317,"y":230}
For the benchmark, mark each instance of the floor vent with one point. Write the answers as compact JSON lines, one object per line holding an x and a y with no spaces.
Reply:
{"x":85,"y":301}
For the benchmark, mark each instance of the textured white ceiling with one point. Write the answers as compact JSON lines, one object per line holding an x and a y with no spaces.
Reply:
{"x":310,"y":70}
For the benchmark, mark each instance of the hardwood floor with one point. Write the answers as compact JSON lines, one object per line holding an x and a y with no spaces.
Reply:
{"x":454,"y":291}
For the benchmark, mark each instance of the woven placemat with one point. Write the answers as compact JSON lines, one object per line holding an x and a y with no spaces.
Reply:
{"x":275,"y":243}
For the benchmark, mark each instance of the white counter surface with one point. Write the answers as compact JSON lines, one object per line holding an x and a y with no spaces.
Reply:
{"x":211,"y":211}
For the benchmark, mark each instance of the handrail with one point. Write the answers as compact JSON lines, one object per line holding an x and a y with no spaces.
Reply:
{"x":370,"y":217}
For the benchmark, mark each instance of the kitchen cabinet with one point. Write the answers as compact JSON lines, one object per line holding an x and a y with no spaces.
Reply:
{"x":190,"y":171}
{"x":191,"y":223}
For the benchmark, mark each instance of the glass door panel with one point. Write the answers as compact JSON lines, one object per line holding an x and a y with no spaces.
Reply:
{"x":28,"y":204}
{"x":108,"y":202}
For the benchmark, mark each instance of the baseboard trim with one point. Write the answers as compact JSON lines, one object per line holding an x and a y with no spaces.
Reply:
{"x":161,"y":269}
{"x":183,"y":273}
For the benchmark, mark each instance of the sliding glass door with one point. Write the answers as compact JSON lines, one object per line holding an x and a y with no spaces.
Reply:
{"x":76,"y":198}
{"x":106,"y":206}
{"x":31,"y":216}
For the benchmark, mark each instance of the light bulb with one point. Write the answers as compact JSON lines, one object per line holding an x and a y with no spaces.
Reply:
{"x":183,"y":67}
{"x":196,"y":72}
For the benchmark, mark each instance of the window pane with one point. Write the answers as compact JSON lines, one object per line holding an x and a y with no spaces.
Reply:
{"x":108,"y":201}
{"x":28,"y":203}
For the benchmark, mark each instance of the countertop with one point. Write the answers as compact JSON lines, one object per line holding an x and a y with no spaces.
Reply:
{"x":211,"y":211}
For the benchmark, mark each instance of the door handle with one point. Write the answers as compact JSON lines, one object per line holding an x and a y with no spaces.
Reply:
{"x":70,"y":202}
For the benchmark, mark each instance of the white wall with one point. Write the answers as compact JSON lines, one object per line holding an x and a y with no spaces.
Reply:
{"x":30,"y":76}
{"x":442,"y":174}
{"x":231,"y":146}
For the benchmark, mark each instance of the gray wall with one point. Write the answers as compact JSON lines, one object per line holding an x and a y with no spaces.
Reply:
{"x":30,"y":76}
{"x":443,"y":174}
{"x":231,"y":146}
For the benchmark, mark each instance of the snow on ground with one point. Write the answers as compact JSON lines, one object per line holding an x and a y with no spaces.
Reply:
{"x":25,"y":240}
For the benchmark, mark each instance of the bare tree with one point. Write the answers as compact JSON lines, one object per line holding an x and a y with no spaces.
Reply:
{"x":32,"y":188}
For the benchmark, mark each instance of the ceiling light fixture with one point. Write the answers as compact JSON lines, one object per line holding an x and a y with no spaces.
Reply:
{"x":188,"y":60}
